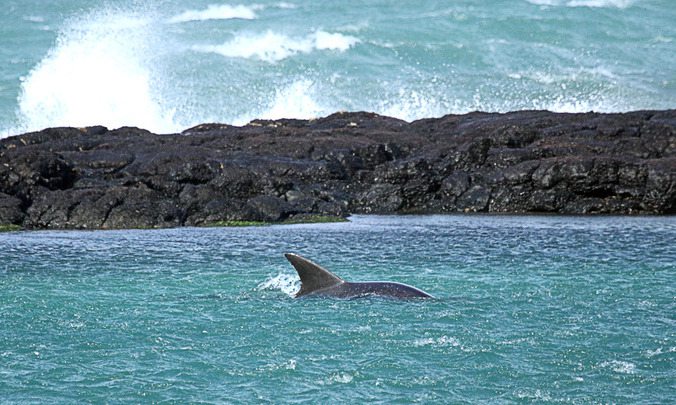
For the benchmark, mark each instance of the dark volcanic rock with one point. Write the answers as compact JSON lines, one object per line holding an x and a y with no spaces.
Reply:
{"x":530,"y":161}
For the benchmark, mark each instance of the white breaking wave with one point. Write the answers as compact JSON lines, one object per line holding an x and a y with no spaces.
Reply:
{"x":96,"y":74}
{"x":584,"y":3}
{"x":273,"y":47}
{"x":218,"y":12}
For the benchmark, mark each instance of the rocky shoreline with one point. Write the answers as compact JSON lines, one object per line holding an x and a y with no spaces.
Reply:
{"x":521,"y":162}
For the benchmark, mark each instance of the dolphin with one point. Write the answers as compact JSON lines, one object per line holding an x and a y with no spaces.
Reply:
{"x":316,"y":281}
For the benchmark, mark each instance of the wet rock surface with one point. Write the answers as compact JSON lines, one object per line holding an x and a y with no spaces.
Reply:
{"x":522,"y":162}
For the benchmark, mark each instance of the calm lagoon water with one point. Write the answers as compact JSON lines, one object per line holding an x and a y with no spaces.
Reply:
{"x":527,"y":309}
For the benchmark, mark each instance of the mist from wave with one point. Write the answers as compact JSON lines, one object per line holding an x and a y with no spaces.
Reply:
{"x":99,"y":72}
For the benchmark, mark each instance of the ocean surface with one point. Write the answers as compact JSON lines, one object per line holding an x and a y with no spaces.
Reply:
{"x":166,"y":65}
{"x":527,"y":309}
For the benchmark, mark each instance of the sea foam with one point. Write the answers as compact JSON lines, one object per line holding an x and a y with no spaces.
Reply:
{"x":272,"y":47}
{"x":217,"y":12}
{"x":622,"y":367}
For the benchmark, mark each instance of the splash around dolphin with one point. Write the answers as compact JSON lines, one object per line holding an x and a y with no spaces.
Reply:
{"x":316,"y":281}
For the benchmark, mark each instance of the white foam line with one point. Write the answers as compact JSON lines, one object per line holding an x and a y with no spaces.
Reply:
{"x":217,"y":12}
{"x":273,"y":47}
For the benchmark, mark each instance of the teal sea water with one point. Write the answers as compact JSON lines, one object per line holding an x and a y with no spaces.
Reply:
{"x":166,"y":65}
{"x":526,"y":309}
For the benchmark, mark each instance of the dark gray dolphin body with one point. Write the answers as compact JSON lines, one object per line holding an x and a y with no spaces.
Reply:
{"x":318,"y":282}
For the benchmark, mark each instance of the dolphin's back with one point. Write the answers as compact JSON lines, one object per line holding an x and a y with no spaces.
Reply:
{"x":319,"y":282}
{"x":375,"y":288}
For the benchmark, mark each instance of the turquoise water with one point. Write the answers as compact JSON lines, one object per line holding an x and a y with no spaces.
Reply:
{"x":527,"y":309}
{"x":167,"y":65}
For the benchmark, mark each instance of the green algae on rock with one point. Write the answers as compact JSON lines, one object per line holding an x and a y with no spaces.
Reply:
{"x":9,"y":228}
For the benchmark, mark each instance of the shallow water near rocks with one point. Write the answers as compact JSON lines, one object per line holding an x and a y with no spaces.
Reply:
{"x":543,"y":309}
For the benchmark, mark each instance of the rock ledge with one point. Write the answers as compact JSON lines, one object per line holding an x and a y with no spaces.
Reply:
{"x":521,"y":162}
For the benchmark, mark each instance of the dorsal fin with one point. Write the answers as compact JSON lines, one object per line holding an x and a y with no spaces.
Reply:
{"x":313,"y":277}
